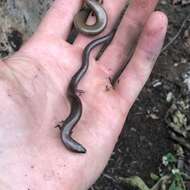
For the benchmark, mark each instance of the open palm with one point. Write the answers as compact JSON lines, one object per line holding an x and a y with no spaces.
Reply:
{"x":37,"y":77}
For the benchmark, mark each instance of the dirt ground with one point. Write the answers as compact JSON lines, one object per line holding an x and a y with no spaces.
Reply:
{"x":145,"y":137}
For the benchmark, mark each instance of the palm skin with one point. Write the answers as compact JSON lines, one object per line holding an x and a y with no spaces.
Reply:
{"x":33,"y":95}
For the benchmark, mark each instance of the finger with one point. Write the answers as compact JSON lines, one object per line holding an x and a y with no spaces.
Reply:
{"x":59,"y":19}
{"x":137,"y":72}
{"x":127,"y":35}
{"x":113,"y":9}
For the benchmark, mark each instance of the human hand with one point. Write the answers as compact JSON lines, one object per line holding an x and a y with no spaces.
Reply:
{"x":33,"y":96}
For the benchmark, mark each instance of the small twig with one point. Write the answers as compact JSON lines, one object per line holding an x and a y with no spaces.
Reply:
{"x":180,"y":140}
{"x":186,"y":176}
{"x":135,"y":182}
{"x":177,"y":35}
{"x":109,"y":177}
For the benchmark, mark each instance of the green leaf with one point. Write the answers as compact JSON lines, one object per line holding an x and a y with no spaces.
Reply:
{"x":170,"y":158}
{"x":154,"y":177}
{"x":172,"y":186}
{"x":177,"y":183}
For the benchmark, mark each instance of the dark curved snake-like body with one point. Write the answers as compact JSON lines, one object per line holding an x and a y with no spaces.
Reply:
{"x":70,"y":122}
{"x":67,"y":125}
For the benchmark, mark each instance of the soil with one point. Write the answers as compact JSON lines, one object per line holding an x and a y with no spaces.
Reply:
{"x":145,"y":137}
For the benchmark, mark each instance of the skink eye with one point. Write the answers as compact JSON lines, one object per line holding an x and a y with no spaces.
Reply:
{"x":81,"y":17}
